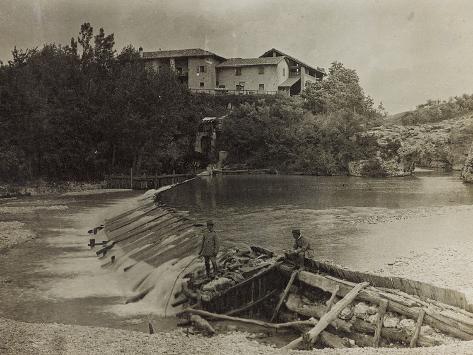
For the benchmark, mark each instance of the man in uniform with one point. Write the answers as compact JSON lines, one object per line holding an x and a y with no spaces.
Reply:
{"x":209,"y":248}
{"x":301,"y":246}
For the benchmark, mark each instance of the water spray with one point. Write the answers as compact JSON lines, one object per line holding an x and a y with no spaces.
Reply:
{"x":174,"y":284}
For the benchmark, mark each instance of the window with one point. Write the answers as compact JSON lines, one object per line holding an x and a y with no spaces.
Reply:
{"x":283,"y":71}
{"x":261,"y":87}
{"x":237,"y":72}
{"x":201,"y":69}
{"x":201,"y":84}
{"x":240,"y":86}
{"x":260,"y":70}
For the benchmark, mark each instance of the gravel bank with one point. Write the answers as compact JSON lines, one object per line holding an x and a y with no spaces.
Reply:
{"x":30,"y":338}
{"x":13,"y":233}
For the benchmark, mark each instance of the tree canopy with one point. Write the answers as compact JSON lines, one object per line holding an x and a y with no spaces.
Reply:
{"x":80,"y":111}
{"x":340,"y":90}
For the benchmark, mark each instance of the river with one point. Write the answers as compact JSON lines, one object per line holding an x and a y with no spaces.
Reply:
{"x":366,"y":224}
{"x":357,"y":222}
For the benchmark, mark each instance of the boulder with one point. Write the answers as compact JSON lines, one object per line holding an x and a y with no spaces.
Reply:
{"x":346,"y":313}
{"x":372,"y":310}
{"x":406,"y":323}
{"x":361,"y":310}
{"x":390,"y":320}
{"x":373,"y":319}
{"x":218,"y":284}
{"x":467,"y":172}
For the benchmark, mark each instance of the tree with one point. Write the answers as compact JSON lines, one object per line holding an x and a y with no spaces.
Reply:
{"x":341,"y":90}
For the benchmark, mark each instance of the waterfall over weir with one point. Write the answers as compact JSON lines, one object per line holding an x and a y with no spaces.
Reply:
{"x":148,"y":246}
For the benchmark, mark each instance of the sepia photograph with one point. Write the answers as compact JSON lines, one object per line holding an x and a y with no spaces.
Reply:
{"x":224,"y":177}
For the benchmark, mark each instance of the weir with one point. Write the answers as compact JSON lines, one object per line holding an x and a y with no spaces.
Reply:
{"x":148,"y":246}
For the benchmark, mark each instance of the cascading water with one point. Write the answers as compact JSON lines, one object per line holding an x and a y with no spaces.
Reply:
{"x":150,"y":246}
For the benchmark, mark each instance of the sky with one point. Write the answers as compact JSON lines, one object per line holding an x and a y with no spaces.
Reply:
{"x":404,"y":52}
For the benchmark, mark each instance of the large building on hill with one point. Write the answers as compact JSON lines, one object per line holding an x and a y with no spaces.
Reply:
{"x":299,"y":73}
{"x":204,"y":71}
{"x":261,"y":75}
{"x":194,"y":67}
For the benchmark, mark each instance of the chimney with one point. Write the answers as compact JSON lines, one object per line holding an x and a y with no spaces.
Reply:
{"x":140,"y":51}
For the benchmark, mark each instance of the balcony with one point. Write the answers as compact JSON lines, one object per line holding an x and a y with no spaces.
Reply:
{"x":222,"y":91}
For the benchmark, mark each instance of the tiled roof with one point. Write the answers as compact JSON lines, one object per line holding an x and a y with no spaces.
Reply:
{"x":320,"y":70}
{"x":290,"y":81}
{"x":245,"y":62}
{"x":175,"y":53}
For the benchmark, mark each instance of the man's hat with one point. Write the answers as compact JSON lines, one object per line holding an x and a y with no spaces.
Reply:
{"x":296,"y":230}
{"x":210,"y":222}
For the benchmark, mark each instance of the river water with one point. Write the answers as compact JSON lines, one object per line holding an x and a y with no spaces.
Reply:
{"x":358,"y":222}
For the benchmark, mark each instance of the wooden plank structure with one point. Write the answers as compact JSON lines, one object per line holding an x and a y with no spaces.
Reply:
{"x":416,"y":288}
{"x":144,"y":182}
{"x":246,"y":297}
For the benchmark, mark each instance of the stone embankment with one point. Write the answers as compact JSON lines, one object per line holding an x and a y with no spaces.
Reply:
{"x":467,"y":172}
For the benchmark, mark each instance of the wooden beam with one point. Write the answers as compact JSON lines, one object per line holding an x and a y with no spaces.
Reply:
{"x":260,"y":323}
{"x":332,"y":298}
{"x":294,"y":304}
{"x":415,"y":337}
{"x":373,"y":296}
{"x":284,"y":295}
{"x":251,"y":304}
{"x":329,"y":317}
{"x":379,"y":323}
{"x":327,"y":338}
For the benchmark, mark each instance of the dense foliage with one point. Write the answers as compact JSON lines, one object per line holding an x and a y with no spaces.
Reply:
{"x":314,"y":134}
{"x":80,"y":111}
{"x":435,"y":110}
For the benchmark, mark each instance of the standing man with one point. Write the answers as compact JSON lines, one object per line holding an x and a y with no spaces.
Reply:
{"x":209,"y":248}
{"x":301,"y":246}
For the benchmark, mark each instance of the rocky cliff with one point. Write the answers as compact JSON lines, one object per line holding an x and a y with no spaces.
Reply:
{"x":467,"y":172}
{"x":442,"y":145}
{"x":391,"y":156}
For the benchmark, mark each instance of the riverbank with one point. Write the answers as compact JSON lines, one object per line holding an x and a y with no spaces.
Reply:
{"x":41,"y":187}
{"x":34,"y":338}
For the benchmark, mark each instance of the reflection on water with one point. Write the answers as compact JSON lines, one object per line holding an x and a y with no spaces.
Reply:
{"x":354,"y":221}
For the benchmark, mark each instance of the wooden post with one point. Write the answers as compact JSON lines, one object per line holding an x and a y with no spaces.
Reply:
{"x":379,"y":323}
{"x":420,"y":320}
{"x":151,"y":328}
{"x":91,"y":243}
{"x":284,"y":295}
{"x":329,"y":317}
{"x":131,"y":178}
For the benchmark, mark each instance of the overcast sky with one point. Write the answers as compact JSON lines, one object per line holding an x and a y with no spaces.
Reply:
{"x":405,"y":52}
